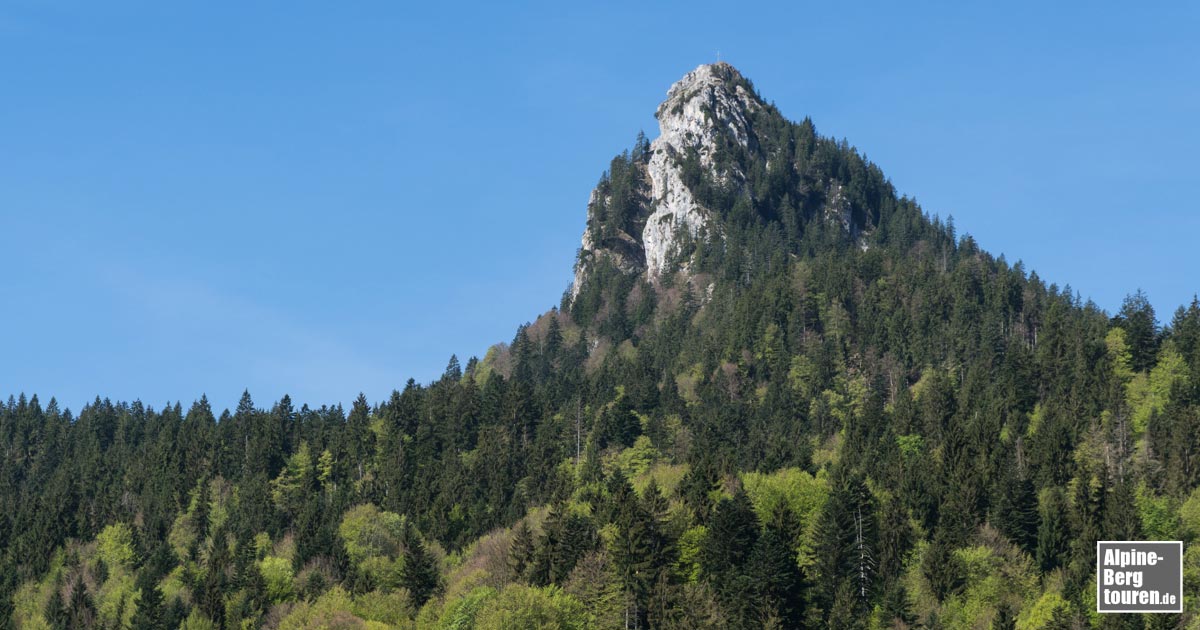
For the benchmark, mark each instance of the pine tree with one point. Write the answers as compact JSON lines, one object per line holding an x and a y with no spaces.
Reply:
{"x":216,"y":579}
{"x":776,"y":580}
{"x":847,"y":539}
{"x":547,"y":556}
{"x":1141,"y":330}
{"x":1121,"y":516}
{"x":941,"y":567}
{"x":419,"y":573}
{"x":1016,"y":509}
{"x":640,"y":552}
{"x":521,"y":552}
{"x":57,"y":613}
{"x":149,"y":614}
{"x":846,"y":608}
{"x":82,"y":609}
{"x":896,"y":607}
{"x":895,"y":539}
{"x":579,"y":538}
{"x":732,"y":536}
{"x":1004,"y":619}
{"x":1053,"y":535}
{"x":453,"y":372}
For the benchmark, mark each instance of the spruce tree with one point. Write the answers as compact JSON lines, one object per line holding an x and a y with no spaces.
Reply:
{"x":149,"y":614}
{"x":82,"y":609}
{"x":1016,"y":509}
{"x":1141,"y":330}
{"x":57,"y":614}
{"x":521,"y":552}
{"x":1053,"y":533}
{"x":419,"y":573}
{"x":941,"y":567}
{"x":776,"y":580}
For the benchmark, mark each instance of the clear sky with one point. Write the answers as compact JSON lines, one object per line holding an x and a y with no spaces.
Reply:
{"x":323,"y":198}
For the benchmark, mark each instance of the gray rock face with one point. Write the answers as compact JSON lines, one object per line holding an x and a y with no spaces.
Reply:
{"x":707,"y":103}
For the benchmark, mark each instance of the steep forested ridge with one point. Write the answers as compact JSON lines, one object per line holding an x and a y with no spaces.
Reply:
{"x":778,"y":395}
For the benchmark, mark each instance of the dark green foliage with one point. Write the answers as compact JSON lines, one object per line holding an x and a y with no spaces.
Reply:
{"x":520,"y":552}
{"x":1141,"y":330}
{"x":896,"y":607}
{"x":642,"y":552}
{"x":1121,"y":517}
{"x":847,"y":544}
{"x":419,"y":573}
{"x":149,"y":612}
{"x":1004,"y":619}
{"x":940,"y":566}
{"x":776,"y":579}
{"x":58,"y":615}
{"x":733,"y":536}
{"x":896,"y":538}
{"x":732,"y":533}
{"x":1053,"y":533}
{"x":1015,"y":511}
{"x":81,"y":611}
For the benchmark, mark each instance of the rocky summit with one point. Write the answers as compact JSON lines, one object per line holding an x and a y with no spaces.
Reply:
{"x":709,"y":113}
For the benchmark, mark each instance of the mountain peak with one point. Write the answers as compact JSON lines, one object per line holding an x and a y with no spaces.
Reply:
{"x":724,"y":160}
{"x":719,"y":76}
{"x":640,"y":217}
{"x":712,"y":98}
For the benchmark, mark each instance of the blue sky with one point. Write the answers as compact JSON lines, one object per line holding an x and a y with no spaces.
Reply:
{"x":321,"y":199}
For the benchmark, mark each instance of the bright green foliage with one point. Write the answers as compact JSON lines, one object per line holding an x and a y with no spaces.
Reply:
{"x":461,"y":613}
{"x":1149,"y":393}
{"x":595,"y":583}
{"x":800,"y":492}
{"x":114,"y":546}
{"x":691,"y":549}
{"x":993,"y":579}
{"x":637,"y":459}
{"x":532,"y":608}
{"x":330,"y":611}
{"x":374,"y":541}
{"x":665,"y":476}
{"x":1159,"y":515}
{"x":324,"y":467}
{"x":116,"y":601}
{"x":1189,"y":515}
{"x":911,"y":446}
{"x":1039,"y":615}
{"x":217,"y":507}
{"x":182,"y":535}
{"x":1118,"y":354}
{"x":34,"y":597}
{"x":277,"y":574}
{"x":393,"y":608}
{"x":197,"y":621}
{"x":295,"y":481}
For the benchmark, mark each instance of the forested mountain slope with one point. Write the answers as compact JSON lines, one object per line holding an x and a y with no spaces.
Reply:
{"x":776,"y":395}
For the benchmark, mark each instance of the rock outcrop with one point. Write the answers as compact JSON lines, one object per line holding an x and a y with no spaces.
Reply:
{"x":717,"y":141}
{"x":706,"y":108}
{"x":708,"y":101}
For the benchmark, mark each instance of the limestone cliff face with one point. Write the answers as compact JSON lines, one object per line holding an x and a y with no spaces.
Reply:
{"x":708,"y":102}
{"x":709,"y":106}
